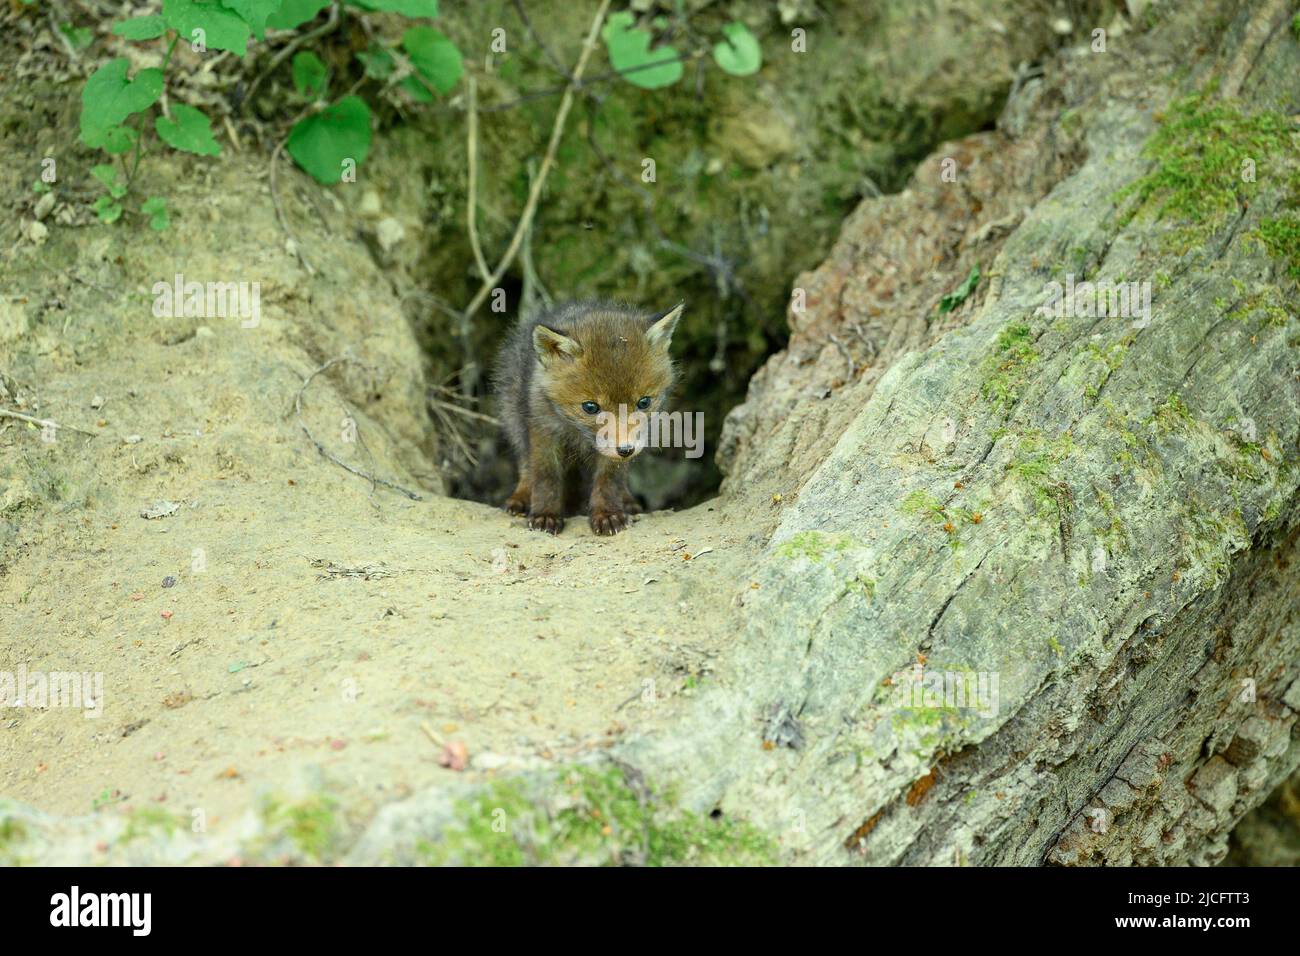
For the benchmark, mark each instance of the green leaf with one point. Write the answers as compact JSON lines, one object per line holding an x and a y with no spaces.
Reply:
{"x":417,"y":90}
{"x":434,"y":57}
{"x":309,"y":75}
{"x":78,"y":37}
{"x":962,"y":292}
{"x":107,"y":210}
{"x":378,"y":62}
{"x":188,"y":129}
{"x":739,"y":54}
{"x":141,"y":28}
{"x":109,"y":97}
{"x":254,"y":12}
{"x":407,"y":8}
{"x":630,"y":54}
{"x":155,"y":207}
{"x":105,"y":173}
{"x":222,"y":29}
{"x":321,"y":143}
{"x":294,"y":13}
{"x":118,"y":139}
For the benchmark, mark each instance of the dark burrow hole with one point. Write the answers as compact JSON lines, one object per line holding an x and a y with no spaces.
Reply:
{"x":711,"y":378}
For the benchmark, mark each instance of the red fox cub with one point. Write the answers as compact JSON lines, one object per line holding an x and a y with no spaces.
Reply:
{"x":577,"y":386}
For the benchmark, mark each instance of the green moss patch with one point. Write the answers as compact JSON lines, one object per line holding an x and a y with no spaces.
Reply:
{"x":1208,"y":154}
{"x":311,"y":825}
{"x":1281,"y":237}
{"x":813,"y":545}
{"x":597,"y":818}
{"x":1007,"y":370}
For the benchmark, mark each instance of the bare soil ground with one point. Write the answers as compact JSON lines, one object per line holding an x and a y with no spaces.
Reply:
{"x":290,"y":625}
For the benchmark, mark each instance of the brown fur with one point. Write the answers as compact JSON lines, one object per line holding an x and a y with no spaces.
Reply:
{"x":549,"y":367}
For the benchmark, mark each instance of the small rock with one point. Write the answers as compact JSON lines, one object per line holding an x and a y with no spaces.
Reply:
{"x":43,"y":206}
{"x":37,"y":232}
{"x":490,"y":761}
{"x":169,"y":582}
{"x":389,"y":232}
{"x":160,"y":509}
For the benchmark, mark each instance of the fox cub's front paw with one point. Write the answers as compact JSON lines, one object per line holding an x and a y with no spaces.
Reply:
{"x":517,"y":504}
{"x":609,"y":522}
{"x":550,"y":523}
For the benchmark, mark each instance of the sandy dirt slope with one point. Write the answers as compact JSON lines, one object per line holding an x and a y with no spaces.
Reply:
{"x":290,"y":626}
{"x":523,"y":647}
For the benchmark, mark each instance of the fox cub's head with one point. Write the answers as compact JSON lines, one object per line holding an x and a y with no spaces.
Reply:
{"x":607,"y":373}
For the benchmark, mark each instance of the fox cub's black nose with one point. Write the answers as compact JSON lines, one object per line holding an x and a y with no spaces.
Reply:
{"x":626,"y":450}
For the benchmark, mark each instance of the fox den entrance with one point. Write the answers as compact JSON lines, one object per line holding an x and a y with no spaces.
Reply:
{"x":642,"y":386}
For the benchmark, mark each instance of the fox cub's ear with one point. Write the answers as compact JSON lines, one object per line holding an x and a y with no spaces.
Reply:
{"x":661,"y":328}
{"x":551,"y":345}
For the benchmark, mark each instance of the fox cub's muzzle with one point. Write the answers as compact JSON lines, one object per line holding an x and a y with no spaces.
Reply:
{"x":621,"y":435}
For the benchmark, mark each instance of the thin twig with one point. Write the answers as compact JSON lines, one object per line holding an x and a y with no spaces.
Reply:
{"x":537,"y":38}
{"x":538,"y":94}
{"x":428,"y":732}
{"x":471,"y":204}
{"x":234,"y":136}
{"x":279,"y":58}
{"x":297,"y":405}
{"x":461,"y":410}
{"x":279,"y":210}
{"x":43,"y":422}
{"x":534,"y":194}
{"x":533,"y":289}
{"x":452,"y":431}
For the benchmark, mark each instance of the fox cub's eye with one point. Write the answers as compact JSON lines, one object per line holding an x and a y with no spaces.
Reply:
{"x":591,"y":408}
{"x":643,"y":402}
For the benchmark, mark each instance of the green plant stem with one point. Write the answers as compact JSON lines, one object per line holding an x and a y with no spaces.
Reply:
{"x":139,"y":141}
{"x":168,"y":57}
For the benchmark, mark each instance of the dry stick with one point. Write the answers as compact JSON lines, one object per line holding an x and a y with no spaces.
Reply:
{"x":461,"y":410}
{"x":557,"y":132}
{"x":532,"y":95}
{"x":279,"y":211}
{"x":297,"y":405}
{"x":452,"y":431}
{"x":428,"y":732}
{"x":471,"y":211}
{"x":533,"y":286}
{"x":43,"y":422}
{"x":537,"y":38}
{"x":279,"y":58}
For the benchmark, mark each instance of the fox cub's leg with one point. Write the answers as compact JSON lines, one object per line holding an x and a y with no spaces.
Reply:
{"x":519,"y":500}
{"x":546,"y":476}
{"x":609,"y":497}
